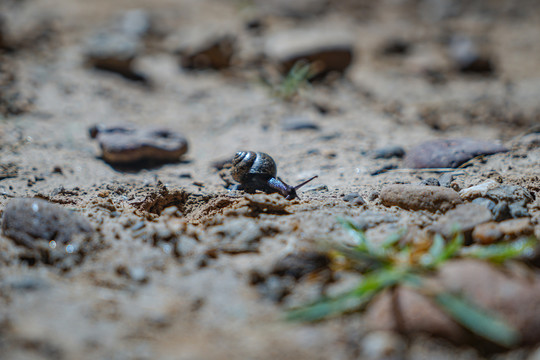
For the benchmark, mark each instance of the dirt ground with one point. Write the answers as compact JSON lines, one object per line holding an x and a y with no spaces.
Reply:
{"x":179,"y":283}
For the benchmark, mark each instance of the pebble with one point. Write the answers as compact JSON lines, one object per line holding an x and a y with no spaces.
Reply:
{"x":316,"y":188}
{"x":463,"y":219}
{"x":113,"y":51}
{"x":501,"y":211}
{"x":419,"y":197}
{"x":389,"y":152}
{"x":300,"y":264}
{"x":486,"y":203}
{"x":202,"y":47}
{"x":329,"y":50}
{"x":127,"y":144}
{"x":449,"y":153}
{"x":468,"y":58}
{"x":510,"y":193}
{"x":354,"y":198}
{"x":491,"y":232}
{"x":430,"y":182}
{"x":295,"y":123}
{"x":48,"y":230}
{"x":479,"y":190}
{"x":395,"y":47}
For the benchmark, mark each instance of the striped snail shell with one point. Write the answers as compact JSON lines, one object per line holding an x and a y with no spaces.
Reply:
{"x":258,"y":171}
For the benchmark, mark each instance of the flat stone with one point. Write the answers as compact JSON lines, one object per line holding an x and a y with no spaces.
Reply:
{"x":49,"y":231}
{"x":389,"y":152}
{"x":296,"y":123}
{"x":510,"y":193}
{"x":420,"y":197}
{"x":430,"y":182}
{"x":512,"y":229}
{"x":125,"y":144}
{"x":463,"y":219}
{"x":449,"y":153}
{"x":327,"y":50}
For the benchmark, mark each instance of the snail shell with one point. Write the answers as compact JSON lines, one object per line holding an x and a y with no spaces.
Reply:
{"x":257,"y":171}
{"x":248,"y":164}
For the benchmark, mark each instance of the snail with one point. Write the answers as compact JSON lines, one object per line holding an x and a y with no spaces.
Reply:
{"x":257,"y":171}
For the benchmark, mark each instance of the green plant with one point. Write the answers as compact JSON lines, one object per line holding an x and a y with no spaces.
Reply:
{"x":297,"y":78}
{"x":392,"y":264}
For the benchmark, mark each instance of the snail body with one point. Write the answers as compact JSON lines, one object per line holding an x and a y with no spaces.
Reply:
{"x":258,"y":171}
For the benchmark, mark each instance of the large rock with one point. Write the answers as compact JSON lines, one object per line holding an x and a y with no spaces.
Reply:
{"x":48,"y":231}
{"x":449,"y":153}
{"x":514,"y":298}
{"x":420,"y":197}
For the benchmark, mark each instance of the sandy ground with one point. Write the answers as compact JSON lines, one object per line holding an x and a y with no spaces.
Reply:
{"x":179,"y":284}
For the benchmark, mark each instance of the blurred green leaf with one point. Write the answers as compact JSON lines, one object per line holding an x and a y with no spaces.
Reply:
{"x":503,"y":251}
{"x":352,"y":300}
{"x":478,"y":320}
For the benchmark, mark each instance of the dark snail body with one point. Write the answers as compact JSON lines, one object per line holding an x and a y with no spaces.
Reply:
{"x":257,"y":171}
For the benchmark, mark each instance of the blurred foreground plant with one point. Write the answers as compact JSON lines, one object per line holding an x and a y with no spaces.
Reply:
{"x":392,"y":264}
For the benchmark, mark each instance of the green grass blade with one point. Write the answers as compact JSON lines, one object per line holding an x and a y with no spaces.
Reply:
{"x":329,"y":307}
{"x":352,"y":300}
{"x":502,"y":252}
{"x":477,"y":320}
{"x":357,"y":233}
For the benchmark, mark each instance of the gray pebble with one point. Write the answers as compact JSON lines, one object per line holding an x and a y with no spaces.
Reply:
{"x":501,"y":211}
{"x":389,"y":152}
{"x":354,"y":198}
{"x":298,"y":123}
{"x":490,"y":205}
{"x":430,"y":182}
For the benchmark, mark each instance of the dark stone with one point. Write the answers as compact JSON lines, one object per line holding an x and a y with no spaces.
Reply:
{"x":300,"y":264}
{"x":468,"y":58}
{"x":449,"y":153}
{"x":430,"y":182}
{"x":389,"y":152}
{"x":501,"y":211}
{"x":396,"y":47}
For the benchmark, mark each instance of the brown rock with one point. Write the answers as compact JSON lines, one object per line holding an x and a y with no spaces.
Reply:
{"x":420,"y":197}
{"x":463,"y":218}
{"x":487,"y":233}
{"x":202,"y":48}
{"x":125,"y":144}
{"x":506,"y":230}
{"x":515,"y":298}
{"x":409,"y":312}
{"x":449,"y":153}
{"x":326,"y":51}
